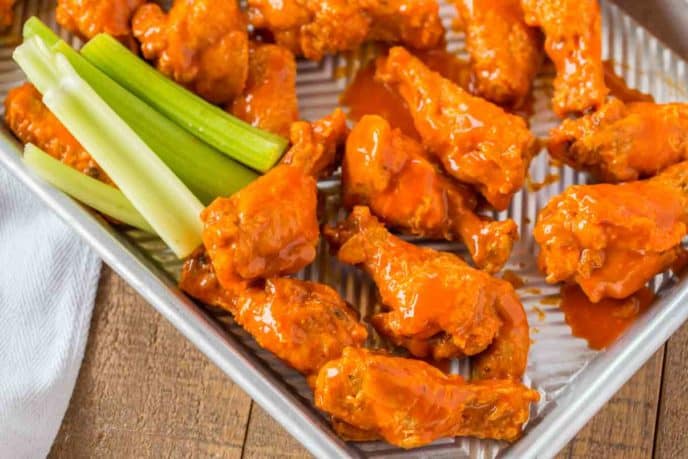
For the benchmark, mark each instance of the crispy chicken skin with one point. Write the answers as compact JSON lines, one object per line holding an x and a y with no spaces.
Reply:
{"x":31,"y":121}
{"x":313,"y":28}
{"x":201,"y":44}
{"x":88,"y":18}
{"x":477,"y":142}
{"x":389,"y":172}
{"x":436,"y":304}
{"x":622,"y":142}
{"x":505,"y":52}
{"x":269,"y":99}
{"x":612,"y":239}
{"x":410,"y":403}
{"x":573,"y":42}
{"x":270,"y":228}
{"x":6,"y":13}
{"x":305,"y":324}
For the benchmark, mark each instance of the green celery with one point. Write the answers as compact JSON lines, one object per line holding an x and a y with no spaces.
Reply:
{"x":251,"y":146}
{"x":151,"y":187}
{"x":106,"y":199}
{"x":206,"y":171}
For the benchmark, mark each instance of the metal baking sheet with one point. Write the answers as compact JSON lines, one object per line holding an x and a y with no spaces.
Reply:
{"x":573,"y":380}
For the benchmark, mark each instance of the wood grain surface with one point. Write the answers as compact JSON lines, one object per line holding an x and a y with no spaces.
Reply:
{"x":144,"y":391}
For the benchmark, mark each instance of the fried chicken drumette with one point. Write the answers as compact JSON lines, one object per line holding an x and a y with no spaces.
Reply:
{"x":622,"y":142}
{"x":270,"y":228}
{"x":505,"y":52}
{"x":313,"y":28}
{"x":31,"y":121}
{"x":201,"y":44}
{"x":389,"y":172}
{"x":269,"y":100}
{"x":436,"y":305}
{"x":88,"y":18}
{"x":305,"y":324}
{"x":573,"y":42}
{"x":410,"y":403}
{"x":612,"y":239}
{"x":476,"y":141}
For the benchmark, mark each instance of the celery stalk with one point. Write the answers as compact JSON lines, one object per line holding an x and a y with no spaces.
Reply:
{"x":206,"y":171}
{"x":251,"y":146}
{"x":104,"y":198}
{"x":153,"y":189}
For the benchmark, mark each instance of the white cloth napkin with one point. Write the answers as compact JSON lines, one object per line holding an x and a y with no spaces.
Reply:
{"x":48,"y":282}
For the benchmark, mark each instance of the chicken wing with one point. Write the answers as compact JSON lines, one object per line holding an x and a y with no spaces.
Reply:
{"x":477,"y":142}
{"x":436,"y":304}
{"x":313,"y":28}
{"x":270,"y":228}
{"x":388,"y":171}
{"x":32,"y":122}
{"x":505,"y":52}
{"x":6,"y":13}
{"x":305,"y":324}
{"x":612,"y":239}
{"x":88,"y":18}
{"x":622,"y":142}
{"x":269,"y":99}
{"x":410,"y":403}
{"x":573,"y":42}
{"x":201,"y":44}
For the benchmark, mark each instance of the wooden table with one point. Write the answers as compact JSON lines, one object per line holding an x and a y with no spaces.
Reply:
{"x":144,"y":391}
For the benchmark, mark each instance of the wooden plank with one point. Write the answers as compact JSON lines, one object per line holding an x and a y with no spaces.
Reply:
{"x":625,"y":427}
{"x":266,"y":438}
{"x":672,"y":438}
{"x":145,"y":391}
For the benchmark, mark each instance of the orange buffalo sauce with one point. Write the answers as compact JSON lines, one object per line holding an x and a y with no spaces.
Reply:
{"x":366,"y":96}
{"x":600,"y":324}
{"x":619,"y":88}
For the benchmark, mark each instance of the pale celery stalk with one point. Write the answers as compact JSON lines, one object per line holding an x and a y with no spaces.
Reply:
{"x":151,"y":187}
{"x":251,"y":146}
{"x":106,"y":199}
{"x":206,"y":171}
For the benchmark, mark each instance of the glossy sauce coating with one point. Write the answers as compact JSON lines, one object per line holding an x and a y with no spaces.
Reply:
{"x":436,"y":305}
{"x":390,"y":173}
{"x":88,"y":18}
{"x":313,"y":28}
{"x":505,"y":52}
{"x":619,"y":89}
{"x":622,"y":142}
{"x":32,"y":122}
{"x":6,"y":13}
{"x":612,"y":239}
{"x":410,"y":403}
{"x":601,"y":324}
{"x":477,"y":142}
{"x":269,"y":99}
{"x":270,"y":228}
{"x":201,"y":44}
{"x":305,"y":324}
{"x":573,"y":42}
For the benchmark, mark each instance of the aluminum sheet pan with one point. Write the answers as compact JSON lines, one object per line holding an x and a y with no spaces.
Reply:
{"x":573,"y":380}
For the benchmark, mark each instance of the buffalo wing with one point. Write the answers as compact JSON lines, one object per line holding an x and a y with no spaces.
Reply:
{"x":88,"y":18}
{"x":622,"y":142}
{"x":505,"y":52}
{"x":6,"y":13}
{"x":436,"y":305}
{"x":612,"y":239}
{"x":201,"y":44}
{"x":573,"y":42}
{"x":389,"y":172}
{"x":313,"y":28}
{"x":410,"y":403}
{"x":477,"y":142}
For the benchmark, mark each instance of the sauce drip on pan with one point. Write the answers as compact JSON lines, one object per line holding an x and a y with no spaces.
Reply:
{"x":600,"y":324}
{"x":620,"y":89}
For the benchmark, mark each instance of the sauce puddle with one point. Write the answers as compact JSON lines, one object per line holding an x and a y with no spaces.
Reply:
{"x":600,"y":324}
